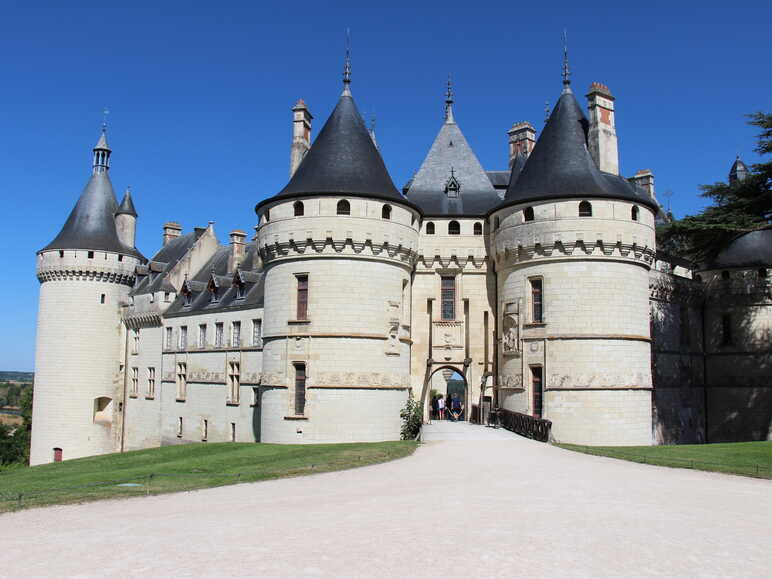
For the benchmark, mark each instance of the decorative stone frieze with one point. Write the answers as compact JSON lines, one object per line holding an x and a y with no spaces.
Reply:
{"x":329,"y":246}
{"x":106,"y":274}
{"x":512,"y":252}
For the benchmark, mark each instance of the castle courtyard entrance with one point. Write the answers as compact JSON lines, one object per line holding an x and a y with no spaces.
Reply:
{"x":449,"y":384}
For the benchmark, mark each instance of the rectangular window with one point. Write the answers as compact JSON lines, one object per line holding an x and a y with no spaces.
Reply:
{"x":448,"y":298}
{"x":300,"y":389}
{"x":182,"y":380}
{"x":234,"y":382}
{"x":726,"y":330}
{"x":235,"y":334}
{"x":233,"y":432}
{"x":201,"y":336}
{"x":536,"y":384}
{"x":257,"y":333}
{"x":183,"y":341}
{"x":204,"y":429}
{"x":151,"y":382}
{"x":134,"y":381}
{"x":302,"y":310}
{"x":537,"y":311}
{"x":179,"y":427}
{"x":168,"y":339}
{"x":218,"y":335}
{"x":135,"y":342}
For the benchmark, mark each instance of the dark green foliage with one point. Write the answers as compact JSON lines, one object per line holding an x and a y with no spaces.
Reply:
{"x":412,"y":418}
{"x":737,"y":208}
{"x":14,"y":442}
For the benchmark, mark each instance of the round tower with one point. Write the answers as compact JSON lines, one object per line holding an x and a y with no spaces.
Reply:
{"x":85,"y":275}
{"x":573,"y":247}
{"x":338,"y":245}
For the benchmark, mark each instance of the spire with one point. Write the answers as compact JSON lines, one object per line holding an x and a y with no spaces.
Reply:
{"x":347,"y":66}
{"x":738,"y":172}
{"x":127,"y":205}
{"x":566,"y":71}
{"x":102,"y":151}
{"x":449,"y":102}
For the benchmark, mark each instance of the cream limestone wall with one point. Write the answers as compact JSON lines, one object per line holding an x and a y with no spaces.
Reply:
{"x":79,"y":350}
{"x":463,"y":257}
{"x":355,"y":342}
{"x":142,"y":426}
{"x":593,"y":343}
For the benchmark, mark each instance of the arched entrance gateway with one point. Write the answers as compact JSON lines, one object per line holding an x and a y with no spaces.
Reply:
{"x":449,"y":383}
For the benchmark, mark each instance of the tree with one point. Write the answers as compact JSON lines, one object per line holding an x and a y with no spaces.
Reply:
{"x":737,"y":207}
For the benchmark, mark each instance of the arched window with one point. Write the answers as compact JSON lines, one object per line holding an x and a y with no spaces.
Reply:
{"x":528,"y":214}
{"x":344,"y":207}
{"x":454,"y":228}
{"x":634,"y":213}
{"x":430,"y":228}
{"x":725,"y":275}
{"x":585,"y":209}
{"x":386,"y":212}
{"x":299,"y":209}
{"x":478,"y":228}
{"x":267,"y":215}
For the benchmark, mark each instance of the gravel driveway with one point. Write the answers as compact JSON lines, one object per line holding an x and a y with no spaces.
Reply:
{"x":470,"y":502}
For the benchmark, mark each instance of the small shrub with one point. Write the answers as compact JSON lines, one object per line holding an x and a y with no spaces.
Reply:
{"x":412,"y":418}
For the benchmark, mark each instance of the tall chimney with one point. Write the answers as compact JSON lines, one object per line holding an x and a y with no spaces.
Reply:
{"x":172,"y":230}
{"x":301,"y":134}
{"x":238,"y":249}
{"x":602,"y":137}
{"x":643,"y":180}
{"x":522,"y":138}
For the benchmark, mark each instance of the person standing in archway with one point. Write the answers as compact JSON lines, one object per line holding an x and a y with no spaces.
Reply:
{"x":440,"y":401}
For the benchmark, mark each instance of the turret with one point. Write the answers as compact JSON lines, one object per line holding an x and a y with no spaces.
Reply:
{"x":85,"y":273}
{"x":126,"y":221}
{"x":336,"y":244}
{"x":738,"y":172}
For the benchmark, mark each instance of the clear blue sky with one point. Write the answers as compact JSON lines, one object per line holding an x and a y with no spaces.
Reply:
{"x":200,"y":93}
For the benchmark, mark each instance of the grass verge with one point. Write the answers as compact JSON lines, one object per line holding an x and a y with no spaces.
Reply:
{"x":743,"y":458}
{"x":181,"y":468}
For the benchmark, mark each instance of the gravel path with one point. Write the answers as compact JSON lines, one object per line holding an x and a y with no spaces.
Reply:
{"x":471,"y":502}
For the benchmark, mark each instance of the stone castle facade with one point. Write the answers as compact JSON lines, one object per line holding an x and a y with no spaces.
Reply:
{"x":540,"y":285}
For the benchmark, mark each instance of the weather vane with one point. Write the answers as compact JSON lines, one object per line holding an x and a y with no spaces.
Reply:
{"x":105,"y":112}
{"x":566,"y":71}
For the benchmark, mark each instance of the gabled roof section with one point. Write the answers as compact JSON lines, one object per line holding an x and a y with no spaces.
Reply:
{"x":343,"y":160}
{"x":450,"y":158}
{"x":560,"y":166}
{"x":154,"y":277}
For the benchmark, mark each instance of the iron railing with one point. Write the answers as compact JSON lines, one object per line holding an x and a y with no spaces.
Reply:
{"x":525,"y":425}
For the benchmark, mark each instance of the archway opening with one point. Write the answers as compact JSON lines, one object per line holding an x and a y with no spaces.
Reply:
{"x":448,"y":395}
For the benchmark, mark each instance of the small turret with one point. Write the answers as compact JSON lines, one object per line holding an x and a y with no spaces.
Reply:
{"x":738,"y":172}
{"x":126,"y":221}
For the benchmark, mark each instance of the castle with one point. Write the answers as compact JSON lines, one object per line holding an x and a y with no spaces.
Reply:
{"x":539,"y":285}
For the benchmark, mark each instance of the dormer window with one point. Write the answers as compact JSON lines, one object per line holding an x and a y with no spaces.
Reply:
{"x":188,"y":298}
{"x":213,"y":295}
{"x":452,"y":187}
{"x":239,"y":291}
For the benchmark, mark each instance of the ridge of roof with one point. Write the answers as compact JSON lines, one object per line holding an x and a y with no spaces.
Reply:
{"x":343,"y":160}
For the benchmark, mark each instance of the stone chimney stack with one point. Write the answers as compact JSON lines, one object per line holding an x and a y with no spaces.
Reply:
{"x":522,"y":138}
{"x":301,"y":134}
{"x":602,"y":137}
{"x":172,"y":230}
{"x":238,"y":249}
{"x":643,"y":180}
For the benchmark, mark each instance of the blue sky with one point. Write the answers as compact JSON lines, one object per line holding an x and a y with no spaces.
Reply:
{"x":200,"y":95}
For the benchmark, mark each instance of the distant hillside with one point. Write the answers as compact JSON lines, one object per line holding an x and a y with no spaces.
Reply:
{"x":17,"y":376}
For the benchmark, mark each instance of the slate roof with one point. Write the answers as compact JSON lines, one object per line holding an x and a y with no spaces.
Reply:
{"x":560,"y":166}
{"x":342,"y":160}
{"x":752,"y":249}
{"x":738,"y":171}
{"x":451,"y":156}
{"x":499,"y":179}
{"x":216,"y":271}
{"x":154,"y":276}
{"x":91,"y":224}
{"x":127,"y":205}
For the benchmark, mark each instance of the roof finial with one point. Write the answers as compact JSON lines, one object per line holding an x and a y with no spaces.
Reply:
{"x":105,"y":112}
{"x":449,"y":101}
{"x":546,"y":111}
{"x":347,"y":65}
{"x":566,"y":71}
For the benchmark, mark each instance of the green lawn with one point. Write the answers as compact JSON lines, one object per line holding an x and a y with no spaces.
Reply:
{"x":179,"y":468}
{"x":745,"y":458}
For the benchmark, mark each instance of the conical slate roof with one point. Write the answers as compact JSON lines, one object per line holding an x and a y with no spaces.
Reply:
{"x":127,"y":205}
{"x":342,"y":160}
{"x":752,"y":249}
{"x":560,"y":166}
{"x":451,"y":156}
{"x":738,"y":172}
{"x":91,"y":224}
